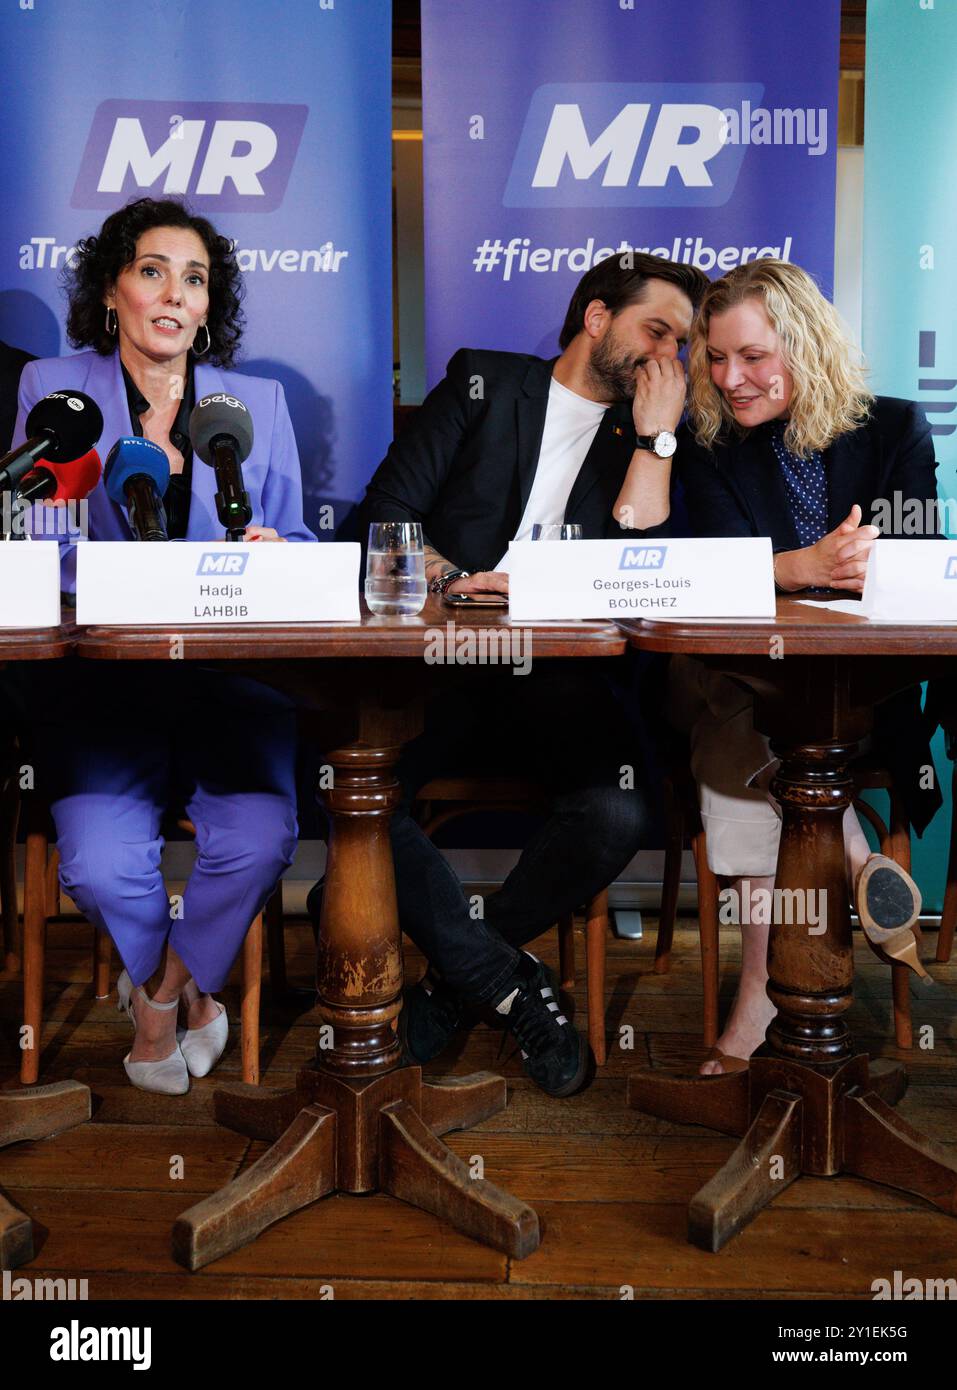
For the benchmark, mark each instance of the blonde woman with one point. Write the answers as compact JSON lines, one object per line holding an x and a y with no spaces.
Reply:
{"x":786,"y":441}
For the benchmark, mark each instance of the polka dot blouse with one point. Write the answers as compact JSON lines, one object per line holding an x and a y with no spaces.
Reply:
{"x":805,"y":483}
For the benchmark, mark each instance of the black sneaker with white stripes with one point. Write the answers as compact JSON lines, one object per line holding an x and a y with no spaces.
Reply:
{"x":432,"y":1014}
{"x":554,"y":1055}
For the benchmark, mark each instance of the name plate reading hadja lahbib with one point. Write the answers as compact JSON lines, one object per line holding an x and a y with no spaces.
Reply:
{"x":666,"y":578}
{"x":189,"y":582}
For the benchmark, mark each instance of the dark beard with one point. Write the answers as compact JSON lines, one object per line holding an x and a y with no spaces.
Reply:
{"x":612,"y":377}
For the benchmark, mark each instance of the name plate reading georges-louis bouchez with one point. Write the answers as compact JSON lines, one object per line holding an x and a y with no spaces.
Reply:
{"x":216,"y":582}
{"x":911,"y":581}
{"x":29,"y":584}
{"x":726,"y":578}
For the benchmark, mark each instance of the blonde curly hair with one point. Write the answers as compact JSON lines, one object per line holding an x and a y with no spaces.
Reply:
{"x":829,"y":396}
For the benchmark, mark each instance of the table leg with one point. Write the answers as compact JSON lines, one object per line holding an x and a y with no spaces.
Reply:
{"x":808,"y":1099}
{"x":36,"y":1113}
{"x":357,"y":1121}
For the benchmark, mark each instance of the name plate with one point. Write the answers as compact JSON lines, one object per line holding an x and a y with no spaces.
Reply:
{"x":913,"y":581}
{"x":29,"y":584}
{"x":130,"y":583}
{"x":726,"y":578}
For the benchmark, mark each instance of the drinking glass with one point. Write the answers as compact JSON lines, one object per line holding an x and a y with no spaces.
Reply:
{"x":557,"y":531}
{"x":395,"y":568}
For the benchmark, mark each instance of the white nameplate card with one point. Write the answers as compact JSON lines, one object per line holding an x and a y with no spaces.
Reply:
{"x":183,"y":582}
{"x":666,"y":578}
{"x":911,"y":581}
{"x":29,"y":584}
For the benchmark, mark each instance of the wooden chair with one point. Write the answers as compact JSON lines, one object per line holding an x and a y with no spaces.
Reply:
{"x":41,"y":901}
{"x":446,"y":798}
{"x":682,"y":812}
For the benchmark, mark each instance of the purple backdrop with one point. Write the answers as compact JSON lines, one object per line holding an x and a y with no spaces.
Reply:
{"x":558,"y":129}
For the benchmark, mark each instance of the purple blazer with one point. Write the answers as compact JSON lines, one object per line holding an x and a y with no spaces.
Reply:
{"x":271,"y":473}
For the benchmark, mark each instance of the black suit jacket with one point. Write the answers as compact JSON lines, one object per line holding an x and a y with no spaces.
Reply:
{"x":12,"y":362}
{"x":464,"y":467}
{"x":738,"y":490}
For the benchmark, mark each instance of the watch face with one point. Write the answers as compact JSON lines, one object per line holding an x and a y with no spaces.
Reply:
{"x":665,"y":444}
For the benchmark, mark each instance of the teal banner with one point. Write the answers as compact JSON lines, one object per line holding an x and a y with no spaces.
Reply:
{"x":910,"y":265}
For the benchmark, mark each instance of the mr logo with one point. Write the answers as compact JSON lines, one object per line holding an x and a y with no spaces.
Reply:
{"x":628,"y":144}
{"x":228,"y":156}
{"x":222,"y":562}
{"x":643,"y":557}
{"x":951,"y":571}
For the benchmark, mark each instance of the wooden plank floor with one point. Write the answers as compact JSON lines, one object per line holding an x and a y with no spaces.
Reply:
{"x":610,"y":1185}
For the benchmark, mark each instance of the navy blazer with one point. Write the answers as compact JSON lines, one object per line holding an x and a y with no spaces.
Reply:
{"x":738,"y":490}
{"x":465,"y":465}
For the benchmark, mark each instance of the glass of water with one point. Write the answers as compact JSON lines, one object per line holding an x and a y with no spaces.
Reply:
{"x":395,"y":568}
{"x":559,"y":531}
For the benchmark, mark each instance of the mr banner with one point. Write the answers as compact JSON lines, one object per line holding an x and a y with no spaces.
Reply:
{"x":271,"y":120}
{"x":559,"y":132}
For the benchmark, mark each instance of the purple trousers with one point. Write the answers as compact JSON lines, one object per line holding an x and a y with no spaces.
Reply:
{"x":144,"y":740}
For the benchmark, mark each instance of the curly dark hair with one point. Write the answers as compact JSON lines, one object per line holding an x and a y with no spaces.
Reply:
{"x":99,"y":260}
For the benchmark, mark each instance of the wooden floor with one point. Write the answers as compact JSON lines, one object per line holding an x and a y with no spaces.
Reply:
{"x":610,"y":1185}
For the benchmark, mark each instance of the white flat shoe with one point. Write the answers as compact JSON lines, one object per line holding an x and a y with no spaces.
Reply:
{"x":203,"y":1047}
{"x":170,"y":1075}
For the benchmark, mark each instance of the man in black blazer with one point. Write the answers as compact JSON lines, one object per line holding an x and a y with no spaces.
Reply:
{"x":504,"y":441}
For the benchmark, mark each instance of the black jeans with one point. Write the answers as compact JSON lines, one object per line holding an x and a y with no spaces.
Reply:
{"x":562,"y":726}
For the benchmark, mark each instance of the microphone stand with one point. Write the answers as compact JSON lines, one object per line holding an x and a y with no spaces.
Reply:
{"x":232,"y":499}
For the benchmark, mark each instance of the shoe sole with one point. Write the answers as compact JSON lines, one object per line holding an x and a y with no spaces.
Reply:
{"x":887,"y":898}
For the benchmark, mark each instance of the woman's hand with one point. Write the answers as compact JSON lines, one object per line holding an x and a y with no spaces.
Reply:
{"x":486,"y":581}
{"x":837,"y":561}
{"x":261,"y":533}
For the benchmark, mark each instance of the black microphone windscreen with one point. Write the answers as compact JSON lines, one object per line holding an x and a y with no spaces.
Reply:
{"x":217,"y":416}
{"x":74,"y":419}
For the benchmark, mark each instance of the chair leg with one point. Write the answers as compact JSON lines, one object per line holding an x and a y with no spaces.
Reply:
{"x":566,"y":950}
{"x":9,"y":818}
{"x":897,"y":847}
{"x":708,"y":928}
{"x":948,"y":919}
{"x":276,"y":943}
{"x":674,"y":844}
{"x":596,"y":941}
{"x":899,"y":827}
{"x":252,"y":990}
{"x":900,"y":990}
{"x":102,"y":954}
{"x":34,"y":944}
{"x":52,"y":884}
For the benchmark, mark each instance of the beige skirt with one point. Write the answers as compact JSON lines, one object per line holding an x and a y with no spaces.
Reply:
{"x":732,"y":764}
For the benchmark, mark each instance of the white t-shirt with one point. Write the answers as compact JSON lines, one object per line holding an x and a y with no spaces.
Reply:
{"x":571,"y":423}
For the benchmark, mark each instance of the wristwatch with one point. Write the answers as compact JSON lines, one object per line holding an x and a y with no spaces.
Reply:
{"x":441,"y":582}
{"x":663,"y":443}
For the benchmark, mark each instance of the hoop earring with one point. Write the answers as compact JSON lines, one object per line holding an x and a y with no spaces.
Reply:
{"x":209,"y":341}
{"x":111,"y":324}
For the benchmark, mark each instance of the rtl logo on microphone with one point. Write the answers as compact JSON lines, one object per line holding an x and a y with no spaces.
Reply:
{"x":227,"y":156}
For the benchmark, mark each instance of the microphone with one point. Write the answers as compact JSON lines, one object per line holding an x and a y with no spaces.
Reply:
{"x":137,"y":474}
{"x":60,"y":427}
{"x":221,"y":432}
{"x":61,"y":482}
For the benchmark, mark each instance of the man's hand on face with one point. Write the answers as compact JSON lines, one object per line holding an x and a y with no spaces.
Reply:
{"x":486,"y":581}
{"x":660,"y":389}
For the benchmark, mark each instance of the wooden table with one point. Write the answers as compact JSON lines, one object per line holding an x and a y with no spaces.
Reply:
{"x":39,"y":1111}
{"x":357,"y":1120}
{"x":809,"y":1102}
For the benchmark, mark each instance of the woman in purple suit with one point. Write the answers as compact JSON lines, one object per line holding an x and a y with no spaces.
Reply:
{"x":155,"y":297}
